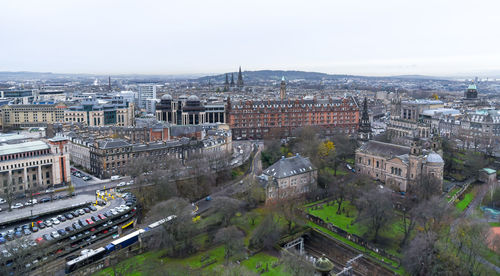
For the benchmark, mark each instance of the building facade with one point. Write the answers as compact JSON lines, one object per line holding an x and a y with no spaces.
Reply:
{"x":31,"y":115}
{"x":189,"y":111}
{"x":145,"y":91}
{"x":91,"y":113}
{"x":399,"y":166}
{"x":289,"y":178}
{"x":257,"y":119}
{"x":33,"y":166}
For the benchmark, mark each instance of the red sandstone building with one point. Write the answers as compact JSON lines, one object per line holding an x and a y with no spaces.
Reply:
{"x":257,"y":119}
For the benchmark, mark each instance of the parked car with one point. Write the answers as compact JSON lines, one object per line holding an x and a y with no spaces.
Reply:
{"x":27,"y":232}
{"x":101,"y":216}
{"x":55,"y":221}
{"x":89,"y":221}
{"x":45,"y":199}
{"x":61,"y":232}
{"x":86,"y":210}
{"x":93,"y":208}
{"x":121,"y":184}
{"x":61,"y":218}
{"x":17,"y":206}
{"x":95,"y":218}
{"x":34,"y":229}
{"x":55,"y":235}
{"x":68,"y":216}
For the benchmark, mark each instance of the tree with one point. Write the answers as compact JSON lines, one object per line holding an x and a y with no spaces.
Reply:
{"x":325,"y":149}
{"x":470,"y":237}
{"x":287,"y":209}
{"x":375,"y":210}
{"x":266,"y":235}
{"x":232,"y":238}
{"x":420,"y":255}
{"x":256,"y":194}
{"x":272,"y":152}
{"x":296,"y":264}
{"x":474,"y":161}
{"x":175,"y":236}
{"x":425,"y":187}
{"x":227,"y":207}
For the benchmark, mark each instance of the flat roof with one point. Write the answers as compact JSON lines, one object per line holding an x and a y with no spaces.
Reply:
{"x":23,"y":147}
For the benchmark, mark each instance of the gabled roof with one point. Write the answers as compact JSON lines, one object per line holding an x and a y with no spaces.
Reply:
{"x":287,"y":167}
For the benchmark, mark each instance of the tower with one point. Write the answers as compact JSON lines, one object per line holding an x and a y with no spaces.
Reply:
{"x":240,"y":79}
{"x":232,"y":80}
{"x":415,"y":160}
{"x":283,"y":89}
{"x":226,"y":84}
{"x":109,"y":83}
{"x":365,"y":128}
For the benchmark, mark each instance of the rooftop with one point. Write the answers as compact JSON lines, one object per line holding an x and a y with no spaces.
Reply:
{"x":287,"y":167}
{"x":23,"y":147}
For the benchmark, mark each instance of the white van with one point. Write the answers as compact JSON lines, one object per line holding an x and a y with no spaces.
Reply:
{"x":115,"y":177}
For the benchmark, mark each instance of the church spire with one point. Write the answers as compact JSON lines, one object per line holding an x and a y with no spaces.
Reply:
{"x":365,"y":128}
{"x":232,"y":80}
{"x":240,"y":79}
{"x":283,"y":89}
{"x":226,"y":84}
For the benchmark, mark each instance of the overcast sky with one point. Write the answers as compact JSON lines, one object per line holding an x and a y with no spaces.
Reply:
{"x":369,"y":37}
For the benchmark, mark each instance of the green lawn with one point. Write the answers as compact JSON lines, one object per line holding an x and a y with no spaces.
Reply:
{"x":462,"y":204}
{"x":340,"y":171}
{"x":494,"y":224}
{"x":329,"y":214}
{"x":264,"y":259}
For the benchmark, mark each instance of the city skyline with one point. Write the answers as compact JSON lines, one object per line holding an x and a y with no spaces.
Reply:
{"x":197,"y":37}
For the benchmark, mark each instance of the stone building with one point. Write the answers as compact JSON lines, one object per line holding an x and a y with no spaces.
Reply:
{"x":34,"y":165}
{"x":289,"y":178}
{"x":399,"y":166}
{"x":31,"y":115}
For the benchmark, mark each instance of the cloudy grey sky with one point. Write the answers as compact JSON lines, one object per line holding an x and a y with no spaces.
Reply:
{"x":382,"y":37}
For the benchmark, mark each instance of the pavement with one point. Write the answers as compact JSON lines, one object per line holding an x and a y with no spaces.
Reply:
{"x":40,"y":208}
{"x":47,"y":230}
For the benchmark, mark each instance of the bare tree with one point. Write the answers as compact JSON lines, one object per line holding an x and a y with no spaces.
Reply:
{"x":232,"y":238}
{"x":296,"y":264}
{"x":227,"y":207}
{"x":425,"y":187}
{"x":266,"y":235}
{"x":375,"y":210}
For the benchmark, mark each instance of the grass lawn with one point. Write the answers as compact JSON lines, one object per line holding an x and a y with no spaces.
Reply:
{"x":393,"y":233}
{"x":462,"y":204}
{"x":494,"y":224}
{"x":350,"y":161}
{"x":264,"y":259}
{"x":329,"y":214}
{"x":340,"y":171}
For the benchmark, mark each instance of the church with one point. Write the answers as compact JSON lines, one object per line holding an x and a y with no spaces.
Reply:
{"x":400,"y":166}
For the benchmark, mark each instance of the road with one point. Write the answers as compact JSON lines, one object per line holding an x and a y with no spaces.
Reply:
{"x":235,"y":186}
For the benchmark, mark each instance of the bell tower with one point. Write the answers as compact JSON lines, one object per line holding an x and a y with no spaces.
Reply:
{"x":283,"y":89}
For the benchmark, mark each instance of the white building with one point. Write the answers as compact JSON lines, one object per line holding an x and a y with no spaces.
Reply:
{"x":151,"y":105}
{"x":146,"y":91}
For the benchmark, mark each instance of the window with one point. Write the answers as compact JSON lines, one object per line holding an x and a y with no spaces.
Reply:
{"x":377,"y":164}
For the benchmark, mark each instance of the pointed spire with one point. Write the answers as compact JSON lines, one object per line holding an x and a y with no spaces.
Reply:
{"x":240,"y":79}
{"x":232,"y":79}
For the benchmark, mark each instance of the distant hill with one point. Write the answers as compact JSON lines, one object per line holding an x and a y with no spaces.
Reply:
{"x":275,"y":75}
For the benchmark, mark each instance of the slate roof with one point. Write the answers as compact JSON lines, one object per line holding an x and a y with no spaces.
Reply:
{"x":113,"y":143}
{"x":287,"y":167}
{"x":384,"y":149}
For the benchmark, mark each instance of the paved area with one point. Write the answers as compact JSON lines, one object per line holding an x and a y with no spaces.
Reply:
{"x":41,"y":208}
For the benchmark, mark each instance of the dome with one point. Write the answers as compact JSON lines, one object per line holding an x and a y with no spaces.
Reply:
{"x":166,"y":97}
{"x":434,"y":158}
{"x":323,"y":264}
{"x":193,"y":98}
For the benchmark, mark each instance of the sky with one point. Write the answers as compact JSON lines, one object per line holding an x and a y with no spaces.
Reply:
{"x":363,"y":37}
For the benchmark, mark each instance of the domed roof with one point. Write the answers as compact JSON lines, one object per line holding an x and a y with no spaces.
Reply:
{"x":323,"y":264}
{"x":434,"y":158}
{"x":193,"y":98}
{"x":166,"y":97}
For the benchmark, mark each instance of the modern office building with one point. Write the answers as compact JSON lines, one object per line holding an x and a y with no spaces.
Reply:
{"x":33,"y":165}
{"x":189,"y":111}
{"x":145,"y":91}
{"x":91,"y":113}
